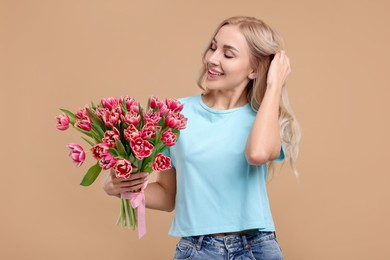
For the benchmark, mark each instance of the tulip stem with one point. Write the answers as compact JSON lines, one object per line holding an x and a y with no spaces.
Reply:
{"x":127,"y":220}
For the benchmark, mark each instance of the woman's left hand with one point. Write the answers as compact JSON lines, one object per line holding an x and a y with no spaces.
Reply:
{"x":279,"y":70}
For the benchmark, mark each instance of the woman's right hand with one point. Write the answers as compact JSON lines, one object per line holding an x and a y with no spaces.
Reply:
{"x":114,"y":186}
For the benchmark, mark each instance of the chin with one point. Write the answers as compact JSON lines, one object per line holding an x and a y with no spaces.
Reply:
{"x":213,"y":85}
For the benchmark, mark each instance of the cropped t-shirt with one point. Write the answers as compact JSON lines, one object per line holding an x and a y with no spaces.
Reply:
{"x":217,"y":190}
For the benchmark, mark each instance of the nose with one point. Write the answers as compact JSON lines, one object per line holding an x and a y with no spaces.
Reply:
{"x":212,"y":58}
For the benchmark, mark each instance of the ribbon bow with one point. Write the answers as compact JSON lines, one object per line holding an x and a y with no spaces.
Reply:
{"x":137,"y":200}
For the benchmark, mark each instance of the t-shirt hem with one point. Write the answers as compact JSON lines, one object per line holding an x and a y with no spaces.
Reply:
{"x":206,"y":231}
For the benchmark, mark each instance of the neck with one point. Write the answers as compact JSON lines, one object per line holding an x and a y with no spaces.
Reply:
{"x":223,"y":100}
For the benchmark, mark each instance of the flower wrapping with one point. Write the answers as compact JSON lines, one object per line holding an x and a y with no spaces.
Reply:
{"x":126,"y":138}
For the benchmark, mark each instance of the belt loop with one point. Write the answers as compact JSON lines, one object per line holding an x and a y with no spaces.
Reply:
{"x":198,"y":244}
{"x":246,"y":245}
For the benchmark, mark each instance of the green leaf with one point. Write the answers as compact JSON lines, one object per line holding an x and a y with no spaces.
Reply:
{"x":95,"y":119}
{"x":98,"y":130}
{"x":91,"y":175}
{"x":88,"y":133}
{"x":148,"y":168}
{"x":158,"y":148}
{"x":158,"y":133}
{"x":93,"y":105}
{"x":124,"y":107}
{"x":128,"y":149}
{"x":163,"y":149}
{"x":148,"y":105}
{"x":71,"y":116}
{"x":89,"y":141}
{"x":132,"y":158}
{"x":121,"y":148}
{"x":113,"y":151}
{"x":177,"y":132}
{"x":141,"y":113}
{"x":97,"y":140}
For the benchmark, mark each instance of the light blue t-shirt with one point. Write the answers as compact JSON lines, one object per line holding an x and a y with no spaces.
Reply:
{"x":217,"y":190}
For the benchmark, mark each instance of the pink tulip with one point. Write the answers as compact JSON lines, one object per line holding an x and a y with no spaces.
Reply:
{"x":169,"y":138}
{"x":100,"y":111}
{"x":152,"y":117}
{"x":176,"y":120}
{"x":83,"y":120}
{"x":62,"y":122}
{"x":131,"y":117}
{"x":174,"y":104}
{"x":100,"y":150}
{"x":110,"y":103}
{"x":123,"y":168}
{"x":77,"y":154}
{"x":83,"y":124}
{"x":163,"y":109}
{"x":141,"y":148}
{"x":107,"y":162}
{"x":182,"y":122}
{"x":161,"y":163}
{"x":131,"y":133}
{"x":111,"y":118}
{"x":131,"y":104}
{"x":153,"y":102}
{"x":149,"y":131}
{"x":110,"y":136}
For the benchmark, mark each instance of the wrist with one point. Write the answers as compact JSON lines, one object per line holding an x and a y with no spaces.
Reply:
{"x":274,"y":89}
{"x":274,"y":86}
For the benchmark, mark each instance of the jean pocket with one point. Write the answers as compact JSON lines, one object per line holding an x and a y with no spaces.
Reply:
{"x":267,"y":250}
{"x":184,"y":250}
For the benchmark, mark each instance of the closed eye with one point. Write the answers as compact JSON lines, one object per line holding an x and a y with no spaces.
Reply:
{"x":213,"y":48}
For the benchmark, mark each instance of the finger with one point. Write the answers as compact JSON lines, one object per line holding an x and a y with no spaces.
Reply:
{"x":289,"y":66}
{"x":283,"y":55}
{"x":112,"y":172}
{"x":132,"y":183}
{"x":276,"y":56}
{"x":130,"y":189}
{"x":136,"y":188}
{"x":132,"y":177}
{"x":138,"y":175}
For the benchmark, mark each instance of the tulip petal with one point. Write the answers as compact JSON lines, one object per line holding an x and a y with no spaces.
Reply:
{"x":71,"y":116}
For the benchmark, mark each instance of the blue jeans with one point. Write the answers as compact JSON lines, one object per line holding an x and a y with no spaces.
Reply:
{"x":261,"y":245}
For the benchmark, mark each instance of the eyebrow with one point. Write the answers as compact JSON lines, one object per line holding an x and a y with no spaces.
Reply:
{"x":227,"y":46}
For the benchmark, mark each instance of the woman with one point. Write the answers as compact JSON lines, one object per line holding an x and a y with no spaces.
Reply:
{"x":236,"y":129}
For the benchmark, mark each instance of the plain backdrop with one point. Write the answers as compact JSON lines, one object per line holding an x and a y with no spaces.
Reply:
{"x":64,"y":54}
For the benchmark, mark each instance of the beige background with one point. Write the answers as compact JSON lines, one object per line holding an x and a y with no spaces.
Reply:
{"x":67,"y":53}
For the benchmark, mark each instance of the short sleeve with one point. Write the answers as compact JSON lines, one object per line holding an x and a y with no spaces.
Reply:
{"x":281,"y":155}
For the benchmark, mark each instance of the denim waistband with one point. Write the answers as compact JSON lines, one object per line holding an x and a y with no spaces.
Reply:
{"x":230,"y":242}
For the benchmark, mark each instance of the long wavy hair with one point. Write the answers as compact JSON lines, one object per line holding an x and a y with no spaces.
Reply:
{"x":264,"y":42}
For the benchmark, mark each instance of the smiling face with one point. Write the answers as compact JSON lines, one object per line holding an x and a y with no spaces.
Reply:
{"x":227,"y":61}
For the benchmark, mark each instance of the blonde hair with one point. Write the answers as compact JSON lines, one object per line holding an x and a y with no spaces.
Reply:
{"x":264,"y":43}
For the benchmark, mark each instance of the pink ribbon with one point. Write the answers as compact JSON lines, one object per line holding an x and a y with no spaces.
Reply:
{"x":137,"y":200}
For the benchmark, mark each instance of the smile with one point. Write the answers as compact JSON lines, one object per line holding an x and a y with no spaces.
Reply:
{"x":214,"y":73}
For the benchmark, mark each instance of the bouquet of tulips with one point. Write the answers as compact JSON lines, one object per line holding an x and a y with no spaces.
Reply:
{"x":125,"y":137}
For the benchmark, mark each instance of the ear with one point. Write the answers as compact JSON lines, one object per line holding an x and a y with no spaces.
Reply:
{"x":252,"y":75}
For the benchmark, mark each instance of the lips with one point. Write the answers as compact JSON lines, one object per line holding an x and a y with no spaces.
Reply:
{"x":214,"y":73}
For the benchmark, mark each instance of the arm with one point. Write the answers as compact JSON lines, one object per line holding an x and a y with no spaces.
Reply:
{"x":159,"y":195}
{"x":264,"y":141}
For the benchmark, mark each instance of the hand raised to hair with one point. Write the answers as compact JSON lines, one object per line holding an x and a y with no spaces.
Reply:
{"x":279,"y":70}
